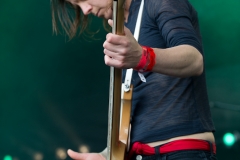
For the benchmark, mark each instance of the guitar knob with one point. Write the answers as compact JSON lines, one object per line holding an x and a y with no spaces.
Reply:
{"x":139,"y":157}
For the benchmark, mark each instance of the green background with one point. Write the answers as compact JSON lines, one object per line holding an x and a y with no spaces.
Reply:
{"x":54,"y":93}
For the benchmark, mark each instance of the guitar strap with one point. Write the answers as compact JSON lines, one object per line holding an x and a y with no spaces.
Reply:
{"x":128,"y":76}
{"x":127,"y":83}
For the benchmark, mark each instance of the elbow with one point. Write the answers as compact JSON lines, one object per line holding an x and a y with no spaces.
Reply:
{"x":199,"y":65}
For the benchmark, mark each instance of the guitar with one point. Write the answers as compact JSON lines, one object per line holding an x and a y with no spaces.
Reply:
{"x":119,"y":98}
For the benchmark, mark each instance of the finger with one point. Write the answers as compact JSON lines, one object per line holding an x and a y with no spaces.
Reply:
{"x":76,"y":155}
{"x":110,"y":22}
{"x":127,"y":31}
{"x":113,"y":62}
{"x":122,"y":40}
{"x":113,"y":55}
{"x":115,"y":39}
{"x":114,"y":48}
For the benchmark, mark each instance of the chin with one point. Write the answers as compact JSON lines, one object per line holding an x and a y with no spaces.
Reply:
{"x":108,"y":14}
{"x":108,"y":17}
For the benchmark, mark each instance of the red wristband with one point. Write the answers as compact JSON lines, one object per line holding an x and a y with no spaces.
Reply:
{"x":143,"y":60}
{"x":147,"y":60}
{"x":152,"y":59}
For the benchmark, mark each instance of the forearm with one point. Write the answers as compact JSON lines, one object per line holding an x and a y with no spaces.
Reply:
{"x":179,"y":61}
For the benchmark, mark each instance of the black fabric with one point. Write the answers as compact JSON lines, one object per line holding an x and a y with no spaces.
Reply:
{"x":165,"y":107}
{"x":182,"y":155}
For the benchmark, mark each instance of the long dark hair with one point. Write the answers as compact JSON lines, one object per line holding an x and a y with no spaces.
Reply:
{"x":71,"y":19}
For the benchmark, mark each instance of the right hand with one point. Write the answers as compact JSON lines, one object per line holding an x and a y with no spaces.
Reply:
{"x":85,"y":156}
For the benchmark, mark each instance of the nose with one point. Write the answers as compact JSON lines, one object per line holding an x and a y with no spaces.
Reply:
{"x":86,"y":8}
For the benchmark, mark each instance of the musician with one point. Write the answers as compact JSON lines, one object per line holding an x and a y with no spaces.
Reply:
{"x":170,"y":110}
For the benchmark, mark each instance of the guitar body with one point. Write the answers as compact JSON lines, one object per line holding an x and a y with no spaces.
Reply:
{"x":120,"y":127}
{"x":119,"y":100}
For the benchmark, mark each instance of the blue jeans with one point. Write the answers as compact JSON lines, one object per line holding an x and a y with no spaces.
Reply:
{"x":180,"y":155}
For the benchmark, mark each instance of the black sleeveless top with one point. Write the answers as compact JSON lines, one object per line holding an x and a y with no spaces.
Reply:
{"x":165,"y":107}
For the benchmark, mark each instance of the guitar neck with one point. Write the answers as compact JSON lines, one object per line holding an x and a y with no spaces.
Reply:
{"x":115,"y":88}
{"x":114,"y":111}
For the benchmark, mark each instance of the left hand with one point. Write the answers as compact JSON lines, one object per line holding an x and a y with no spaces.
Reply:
{"x":121,"y":51}
{"x":85,"y":156}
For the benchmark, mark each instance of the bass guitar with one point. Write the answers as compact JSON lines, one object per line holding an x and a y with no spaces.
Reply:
{"x":120,"y":96}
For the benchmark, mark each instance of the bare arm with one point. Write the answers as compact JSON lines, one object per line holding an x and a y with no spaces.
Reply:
{"x":179,"y":61}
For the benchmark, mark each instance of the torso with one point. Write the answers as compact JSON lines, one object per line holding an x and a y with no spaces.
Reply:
{"x":165,"y":108}
{"x":208,"y":136}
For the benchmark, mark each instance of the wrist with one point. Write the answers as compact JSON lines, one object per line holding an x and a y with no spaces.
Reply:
{"x":147,"y":60}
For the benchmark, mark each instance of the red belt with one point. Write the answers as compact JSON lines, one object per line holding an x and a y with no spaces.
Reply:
{"x":177,"y":145}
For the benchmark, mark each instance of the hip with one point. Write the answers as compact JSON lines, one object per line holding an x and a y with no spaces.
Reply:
{"x":207,"y":136}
